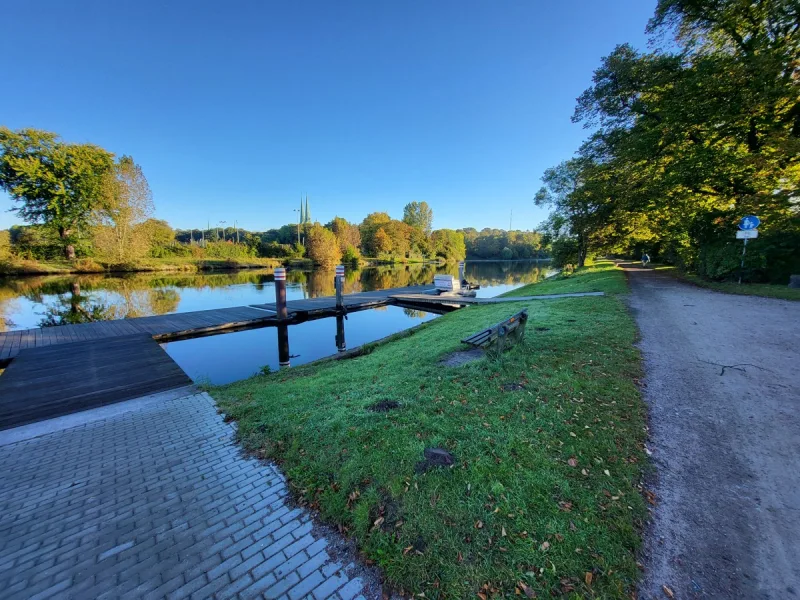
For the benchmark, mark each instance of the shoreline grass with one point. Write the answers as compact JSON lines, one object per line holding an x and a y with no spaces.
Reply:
{"x":22,"y":267}
{"x":765,"y":290}
{"x":543,"y":496}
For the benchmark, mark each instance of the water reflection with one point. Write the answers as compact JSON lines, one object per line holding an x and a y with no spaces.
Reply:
{"x":225,"y":358}
{"x":57,"y":300}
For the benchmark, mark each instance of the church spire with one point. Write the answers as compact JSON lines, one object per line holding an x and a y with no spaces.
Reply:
{"x":308,"y":212}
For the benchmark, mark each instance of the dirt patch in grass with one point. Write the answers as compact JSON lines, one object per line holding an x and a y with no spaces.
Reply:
{"x":462,"y":357}
{"x":513,"y":387}
{"x":434,"y":457}
{"x":384,"y":406}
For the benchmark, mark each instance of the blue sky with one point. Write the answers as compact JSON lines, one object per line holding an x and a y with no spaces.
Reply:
{"x":234,"y":109}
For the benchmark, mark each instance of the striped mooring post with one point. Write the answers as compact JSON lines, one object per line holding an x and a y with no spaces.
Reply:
{"x":461,"y":270}
{"x":338,"y":283}
{"x":280,"y":292}
{"x":283,"y":330}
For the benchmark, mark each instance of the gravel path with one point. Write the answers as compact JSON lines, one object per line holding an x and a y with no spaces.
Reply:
{"x":723,"y":389}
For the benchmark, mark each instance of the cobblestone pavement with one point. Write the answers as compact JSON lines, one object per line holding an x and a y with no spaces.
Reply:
{"x":153,"y":503}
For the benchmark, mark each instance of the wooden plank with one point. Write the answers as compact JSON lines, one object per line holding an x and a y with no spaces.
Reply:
{"x":59,"y":379}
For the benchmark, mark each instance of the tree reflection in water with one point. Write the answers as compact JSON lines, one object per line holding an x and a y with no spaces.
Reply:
{"x":58,"y":300}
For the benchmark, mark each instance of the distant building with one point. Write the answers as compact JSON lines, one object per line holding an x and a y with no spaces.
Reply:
{"x":305,"y":213}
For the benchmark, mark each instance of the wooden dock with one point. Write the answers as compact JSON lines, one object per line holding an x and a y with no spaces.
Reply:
{"x":54,"y":371}
{"x":41,"y":383}
{"x":175,"y":326}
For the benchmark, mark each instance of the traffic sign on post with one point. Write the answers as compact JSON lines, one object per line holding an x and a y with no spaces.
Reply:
{"x":747,"y":234}
{"x":749,"y":222}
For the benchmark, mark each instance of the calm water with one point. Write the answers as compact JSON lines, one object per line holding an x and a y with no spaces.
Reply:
{"x":51,"y":301}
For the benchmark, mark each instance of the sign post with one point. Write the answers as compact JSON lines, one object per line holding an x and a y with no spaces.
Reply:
{"x":748,"y":230}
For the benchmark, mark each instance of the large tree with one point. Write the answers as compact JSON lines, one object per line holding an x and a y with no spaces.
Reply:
{"x":419,"y":215}
{"x":120,"y":231}
{"x":53,"y":183}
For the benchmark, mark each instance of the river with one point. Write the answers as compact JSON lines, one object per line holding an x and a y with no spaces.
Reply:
{"x":51,"y":301}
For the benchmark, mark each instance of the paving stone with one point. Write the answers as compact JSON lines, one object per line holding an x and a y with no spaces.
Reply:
{"x":155,"y":502}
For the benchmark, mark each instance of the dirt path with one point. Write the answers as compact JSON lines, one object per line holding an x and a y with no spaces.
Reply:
{"x":723,"y":389}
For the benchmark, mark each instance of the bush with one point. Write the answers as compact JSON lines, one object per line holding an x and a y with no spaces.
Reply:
{"x":351,"y":256}
{"x":5,"y":244}
{"x":227,"y":250}
{"x":323,"y":247}
{"x":771,"y":258}
{"x":87,"y":265}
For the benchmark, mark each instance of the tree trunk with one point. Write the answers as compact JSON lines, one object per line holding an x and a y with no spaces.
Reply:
{"x":582,"y":251}
{"x":69,"y":249}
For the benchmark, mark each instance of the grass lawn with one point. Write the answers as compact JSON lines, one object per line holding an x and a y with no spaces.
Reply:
{"x":745,"y":289}
{"x":603,"y":276}
{"x":543,"y":496}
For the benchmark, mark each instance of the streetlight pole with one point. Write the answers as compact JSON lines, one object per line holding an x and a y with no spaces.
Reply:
{"x":297,"y":210}
{"x":223,"y":229}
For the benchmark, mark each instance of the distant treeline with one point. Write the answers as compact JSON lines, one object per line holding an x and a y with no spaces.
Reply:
{"x":503,"y":245}
{"x":81,"y":202}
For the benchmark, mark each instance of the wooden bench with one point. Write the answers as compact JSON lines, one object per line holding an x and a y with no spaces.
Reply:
{"x":498,"y":335}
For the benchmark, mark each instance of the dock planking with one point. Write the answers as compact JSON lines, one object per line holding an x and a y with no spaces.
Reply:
{"x":176,"y":326}
{"x":50,"y":381}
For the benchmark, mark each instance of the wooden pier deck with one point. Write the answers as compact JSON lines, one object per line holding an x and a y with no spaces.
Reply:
{"x":41,"y":383}
{"x":175,"y":326}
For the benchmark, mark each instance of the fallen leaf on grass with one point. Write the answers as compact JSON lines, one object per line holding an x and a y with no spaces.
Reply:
{"x":588,"y":578}
{"x":668,"y":592}
{"x":544,"y":546}
{"x":565,"y":506}
{"x":526,"y":589}
{"x":572,"y":462}
{"x":479,"y":525}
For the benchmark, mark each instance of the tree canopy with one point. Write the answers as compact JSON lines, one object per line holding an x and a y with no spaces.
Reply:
{"x":685,"y":142}
{"x":53,"y":183}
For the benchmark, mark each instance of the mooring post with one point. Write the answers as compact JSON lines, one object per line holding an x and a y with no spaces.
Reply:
{"x":338,"y":283}
{"x":341,"y":344}
{"x":461,"y":270}
{"x":284,"y":358}
{"x":280,"y":293}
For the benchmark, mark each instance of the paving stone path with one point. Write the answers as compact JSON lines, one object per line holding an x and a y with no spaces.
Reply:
{"x":153,"y":503}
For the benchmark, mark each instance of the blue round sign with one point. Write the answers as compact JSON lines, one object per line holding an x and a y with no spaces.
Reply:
{"x":749,"y":222}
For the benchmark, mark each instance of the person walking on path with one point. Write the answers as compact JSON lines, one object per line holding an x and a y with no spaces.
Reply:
{"x":645,"y":259}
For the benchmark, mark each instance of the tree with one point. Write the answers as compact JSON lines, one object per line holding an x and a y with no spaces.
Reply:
{"x":323,"y":247}
{"x":449,"y":244}
{"x":382,"y":243}
{"x":347,"y":233}
{"x":369,"y":228}
{"x":160,"y":233}
{"x":419,"y":215}
{"x":120,"y":232}
{"x":577,"y":205}
{"x":52,"y":182}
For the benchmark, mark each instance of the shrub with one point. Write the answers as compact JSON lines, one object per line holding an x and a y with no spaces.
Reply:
{"x":351,"y":256}
{"x":87,"y":265}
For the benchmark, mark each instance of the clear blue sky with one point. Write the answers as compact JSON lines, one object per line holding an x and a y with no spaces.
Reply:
{"x":234,"y":108}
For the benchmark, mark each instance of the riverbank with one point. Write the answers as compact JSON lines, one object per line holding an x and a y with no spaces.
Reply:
{"x":547,"y":444}
{"x":17,"y":266}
